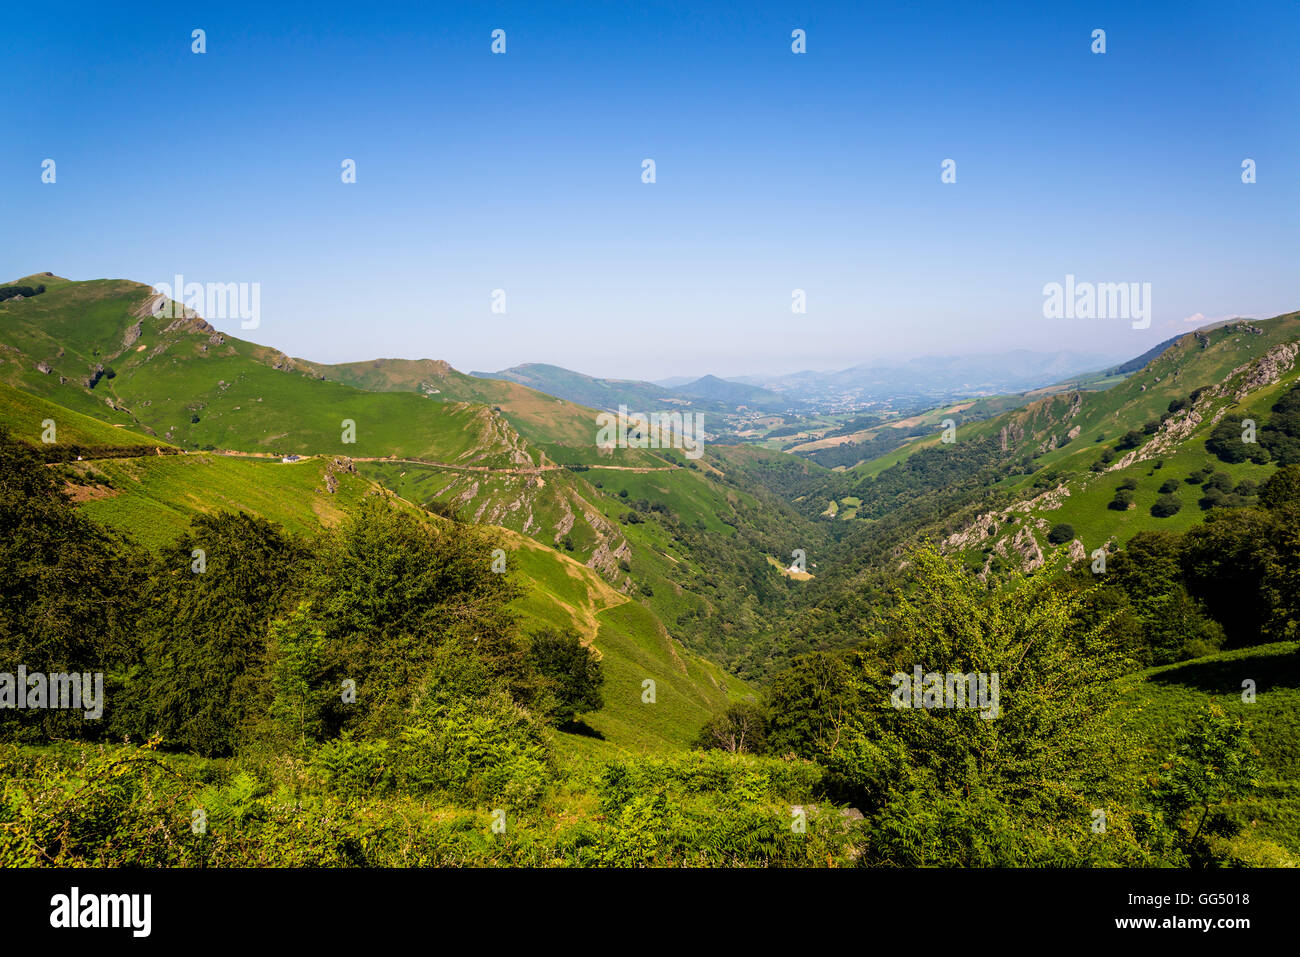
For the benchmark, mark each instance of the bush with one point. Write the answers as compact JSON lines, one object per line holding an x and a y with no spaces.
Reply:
{"x":1221,"y":481}
{"x":1060,"y":534}
{"x":570,"y":669}
{"x":484,"y":750}
{"x":1165,"y":506}
{"x":353,"y":769}
{"x":1122,"y":501}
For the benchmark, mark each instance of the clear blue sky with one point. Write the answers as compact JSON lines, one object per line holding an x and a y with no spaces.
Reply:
{"x":775,"y":171}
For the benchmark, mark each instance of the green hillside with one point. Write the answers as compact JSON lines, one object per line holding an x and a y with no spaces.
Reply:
{"x":1162,"y":700}
{"x":562,"y":430}
{"x":663,"y":574}
{"x":195,"y":387}
{"x":23,"y":415}
{"x":1060,"y":460}
{"x":155,"y":498}
{"x":650,"y":522}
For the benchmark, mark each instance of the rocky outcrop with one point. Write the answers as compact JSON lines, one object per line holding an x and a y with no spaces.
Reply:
{"x":341,"y":465}
{"x":1236,"y":386}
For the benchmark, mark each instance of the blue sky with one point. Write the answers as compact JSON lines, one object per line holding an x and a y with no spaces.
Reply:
{"x":775,"y":171}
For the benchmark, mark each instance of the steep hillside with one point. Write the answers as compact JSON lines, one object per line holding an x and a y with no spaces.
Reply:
{"x":1162,"y":700}
{"x":563,"y":430}
{"x":1134,"y":457}
{"x":96,"y":347}
{"x":153,"y":498}
{"x":681,"y":535}
{"x":1107,"y":463}
{"x":25,"y":416}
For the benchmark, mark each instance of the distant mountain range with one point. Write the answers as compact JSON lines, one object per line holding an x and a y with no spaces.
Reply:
{"x":922,"y":379}
{"x":706,"y":394}
{"x":934,"y":377}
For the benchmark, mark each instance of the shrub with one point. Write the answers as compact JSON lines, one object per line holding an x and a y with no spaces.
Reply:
{"x":1165,"y":506}
{"x":488,"y":749}
{"x":1122,"y":501}
{"x":571,"y":670}
{"x":354,"y":768}
{"x":1219,"y":480}
{"x":1060,"y":534}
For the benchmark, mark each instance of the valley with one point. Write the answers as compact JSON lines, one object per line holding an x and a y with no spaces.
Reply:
{"x":675,"y":572}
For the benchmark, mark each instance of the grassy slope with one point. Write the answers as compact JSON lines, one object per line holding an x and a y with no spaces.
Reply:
{"x":22,"y":414}
{"x":251,"y":398}
{"x":565,"y":431}
{"x":1162,"y":700}
{"x":1102,"y":417}
{"x":634,"y":647}
{"x":154,"y":499}
{"x":168,"y":376}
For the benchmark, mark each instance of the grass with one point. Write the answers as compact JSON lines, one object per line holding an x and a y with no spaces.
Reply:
{"x":155,"y":498}
{"x":1161,"y":701}
{"x":23,"y":414}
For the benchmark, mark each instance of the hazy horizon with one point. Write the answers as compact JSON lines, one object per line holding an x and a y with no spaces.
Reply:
{"x":775,"y":171}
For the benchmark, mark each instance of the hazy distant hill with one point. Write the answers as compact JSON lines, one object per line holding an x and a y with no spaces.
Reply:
{"x":1133,"y":365}
{"x":706,"y":394}
{"x":933,"y":376}
{"x":736,"y":393}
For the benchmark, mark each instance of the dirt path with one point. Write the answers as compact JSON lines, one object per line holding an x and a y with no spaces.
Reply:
{"x":497,"y":469}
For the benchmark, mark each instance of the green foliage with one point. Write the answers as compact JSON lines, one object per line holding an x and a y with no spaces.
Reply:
{"x":1149,"y":592}
{"x":295,"y":649}
{"x":927,"y":778}
{"x":12,"y":292}
{"x":70,"y":591}
{"x":482,"y":750}
{"x":1227,"y":443}
{"x":1245,"y":565}
{"x":1061,"y":533}
{"x":741,"y":729}
{"x":809,"y":703}
{"x":1166,"y":505}
{"x":571,"y":669}
{"x":1130,"y":440}
{"x":389,"y":589}
{"x":1213,"y":762}
{"x":1281,"y":435}
{"x":353,"y":768}
{"x":205,"y":631}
